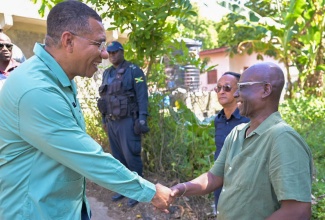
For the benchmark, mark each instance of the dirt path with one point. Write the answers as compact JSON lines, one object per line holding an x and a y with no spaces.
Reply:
{"x":195,"y":208}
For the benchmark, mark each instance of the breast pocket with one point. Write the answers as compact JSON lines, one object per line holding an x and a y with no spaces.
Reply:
{"x":251,"y":172}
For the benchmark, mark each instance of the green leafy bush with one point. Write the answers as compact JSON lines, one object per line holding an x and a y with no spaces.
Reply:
{"x":177,"y":144}
{"x":88,"y":100}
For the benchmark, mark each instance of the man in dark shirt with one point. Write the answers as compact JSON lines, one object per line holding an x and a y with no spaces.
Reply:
{"x":229,"y":116}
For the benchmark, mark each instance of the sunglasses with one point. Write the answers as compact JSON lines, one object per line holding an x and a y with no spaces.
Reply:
{"x":226,"y":88}
{"x":8,"y":46}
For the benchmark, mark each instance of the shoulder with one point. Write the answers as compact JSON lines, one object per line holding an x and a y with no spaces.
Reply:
{"x":219,"y":115}
{"x":136,"y":70}
{"x":134,"y":67}
{"x":109,"y":69}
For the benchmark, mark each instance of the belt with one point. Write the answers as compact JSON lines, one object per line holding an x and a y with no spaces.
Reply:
{"x":112,"y":117}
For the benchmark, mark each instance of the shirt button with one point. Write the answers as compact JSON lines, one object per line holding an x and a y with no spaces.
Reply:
{"x":230,"y":168}
{"x":223,"y":190}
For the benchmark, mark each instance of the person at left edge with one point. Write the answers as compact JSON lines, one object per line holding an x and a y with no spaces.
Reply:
{"x":7,"y":63}
{"x":123,"y":104}
{"x":17,"y":53}
{"x":45,"y":152}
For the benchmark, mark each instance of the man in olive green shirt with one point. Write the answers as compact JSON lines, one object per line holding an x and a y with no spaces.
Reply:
{"x":45,"y":152}
{"x":265,"y":167}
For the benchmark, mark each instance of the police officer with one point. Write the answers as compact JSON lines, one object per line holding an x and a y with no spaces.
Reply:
{"x":123,"y":103}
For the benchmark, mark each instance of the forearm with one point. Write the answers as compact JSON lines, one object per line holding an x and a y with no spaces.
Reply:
{"x":201,"y":185}
{"x":292,"y":210}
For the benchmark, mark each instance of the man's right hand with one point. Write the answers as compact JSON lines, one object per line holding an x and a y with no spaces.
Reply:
{"x":162,"y":198}
{"x":178,"y":190}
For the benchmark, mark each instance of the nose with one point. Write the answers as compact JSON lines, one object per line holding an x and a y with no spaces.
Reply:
{"x":104,"y":54}
{"x":4,"y":47}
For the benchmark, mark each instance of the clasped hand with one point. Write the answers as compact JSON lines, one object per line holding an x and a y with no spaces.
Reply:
{"x":165,"y":196}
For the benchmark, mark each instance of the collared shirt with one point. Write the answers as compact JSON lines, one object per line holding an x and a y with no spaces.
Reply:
{"x":223,"y":126}
{"x":4,"y":74}
{"x":272,"y":164}
{"x":45,"y":153}
{"x":11,"y":66}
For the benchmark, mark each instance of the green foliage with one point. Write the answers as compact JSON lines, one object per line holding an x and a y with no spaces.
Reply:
{"x":151,"y":25}
{"x":306,"y":116}
{"x":200,"y":29}
{"x":318,"y":209}
{"x":88,"y":101}
{"x":231,"y":34}
{"x":95,"y":130}
{"x":46,"y":4}
{"x":177,"y":144}
{"x":291,"y":31}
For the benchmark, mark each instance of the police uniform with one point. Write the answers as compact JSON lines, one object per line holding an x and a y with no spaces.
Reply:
{"x":124,"y":94}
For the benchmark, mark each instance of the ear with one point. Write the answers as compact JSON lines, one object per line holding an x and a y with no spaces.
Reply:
{"x":267,"y":90}
{"x":67,"y":41}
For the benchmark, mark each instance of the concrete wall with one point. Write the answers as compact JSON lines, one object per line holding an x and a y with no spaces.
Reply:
{"x":25,"y":39}
{"x":238,"y":63}
{"x":222,"y":60}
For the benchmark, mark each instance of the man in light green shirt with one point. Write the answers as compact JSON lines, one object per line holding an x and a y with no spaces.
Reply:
{"x":45,"y":153}
{"x":265,"y":167}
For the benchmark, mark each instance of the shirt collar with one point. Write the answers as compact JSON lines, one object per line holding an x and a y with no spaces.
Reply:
{"x":53,"y":65}
{"x":274,"y":118}
{"x":235,"y":114}
{"x":11,"y":66}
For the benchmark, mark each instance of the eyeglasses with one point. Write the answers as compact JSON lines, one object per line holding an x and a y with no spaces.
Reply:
{"x":226,"y":88}
{"x":101,"y":45}
{"x":243,"y":84}
{"x":8,"y":46}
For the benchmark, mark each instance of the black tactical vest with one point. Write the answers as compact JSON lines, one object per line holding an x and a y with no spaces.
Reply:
{"x":114,"y":101}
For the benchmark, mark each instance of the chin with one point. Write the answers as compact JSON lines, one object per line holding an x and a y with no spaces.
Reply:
{"x":222,"y":101}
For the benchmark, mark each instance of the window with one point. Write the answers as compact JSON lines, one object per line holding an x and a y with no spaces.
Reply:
{"x":212,"y":77}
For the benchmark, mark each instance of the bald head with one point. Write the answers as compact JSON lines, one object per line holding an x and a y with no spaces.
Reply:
{"x":268,"y":72}
{"x":4,"y":38}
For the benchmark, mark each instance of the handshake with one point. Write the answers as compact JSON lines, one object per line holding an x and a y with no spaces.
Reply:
{"x":165,"y":196}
